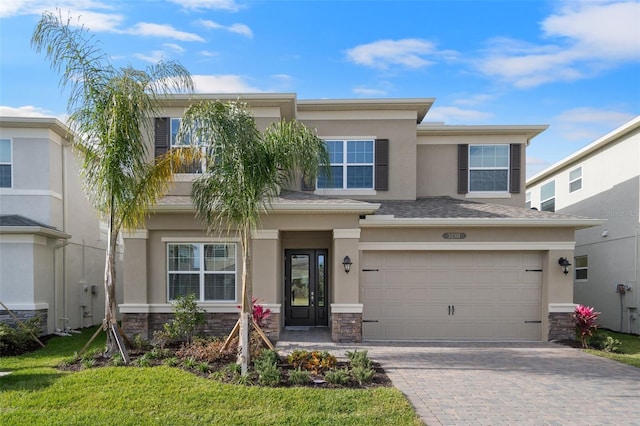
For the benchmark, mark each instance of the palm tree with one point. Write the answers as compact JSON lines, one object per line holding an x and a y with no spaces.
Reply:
{"x":245,"y":171}
{"x":110,"y":110}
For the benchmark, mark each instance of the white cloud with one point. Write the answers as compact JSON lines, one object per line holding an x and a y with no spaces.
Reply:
{"x":37,"y":7}
{"x":368,"y":91}
{"x":208,"y":53}
{"x":241,"y":29}
{"x":473,"y":100}
{"x":453,"y":115}
{"x":584,"y":38}
{"x":174,"y":47}
{"x":222,"y":84}
{"x":162,"y":30}
{"x":197,"y":5}
{"x":154,"y":57}
{"x":382,"y":54}
{"x":29,"y":111}
{"x":588,"y":124}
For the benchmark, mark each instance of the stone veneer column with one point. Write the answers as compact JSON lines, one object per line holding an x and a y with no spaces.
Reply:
{"x":346,"y":311}
{"x":561,"y":324}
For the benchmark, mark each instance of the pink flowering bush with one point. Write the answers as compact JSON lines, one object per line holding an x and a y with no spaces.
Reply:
{"x":585,"y":320}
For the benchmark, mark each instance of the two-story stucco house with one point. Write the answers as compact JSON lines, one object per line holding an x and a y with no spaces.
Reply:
{"x":422,"y":233}
{"x":601,"y":180}
{"x":52,"y":249}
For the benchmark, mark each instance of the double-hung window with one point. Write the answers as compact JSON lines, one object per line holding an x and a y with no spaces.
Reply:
{"x":528,"y":200}
{"x":575,"y":179}
{"x":208,"y":270}
{"x":488,"y":168}
{"x":582,"y":267}
{"x":198,"y":165}
{"x":548,"y":197}
{"x":5,"y":163}
{"x":352,"y":165}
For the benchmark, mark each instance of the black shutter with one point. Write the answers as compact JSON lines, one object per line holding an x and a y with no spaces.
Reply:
{"x":382,"y":165}
{"x":463,"y":168}
{"x":514,"y":168}
{"x":161,"y":138}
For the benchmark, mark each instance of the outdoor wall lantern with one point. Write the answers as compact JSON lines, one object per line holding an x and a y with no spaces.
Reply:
{"x":346,"y":262}
{"x":564,"y":262}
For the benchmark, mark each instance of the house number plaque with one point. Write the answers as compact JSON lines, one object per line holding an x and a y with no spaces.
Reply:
{"x":454,"y":235}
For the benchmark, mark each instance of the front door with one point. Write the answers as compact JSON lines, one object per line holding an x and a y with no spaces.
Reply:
{"x":306,"y":288}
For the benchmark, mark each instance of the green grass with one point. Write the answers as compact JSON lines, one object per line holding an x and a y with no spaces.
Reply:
{"x":630,"y":349}
{"x":36,"y":393}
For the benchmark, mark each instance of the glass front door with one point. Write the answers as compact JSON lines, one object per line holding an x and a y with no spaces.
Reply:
{"x":306,"y":288}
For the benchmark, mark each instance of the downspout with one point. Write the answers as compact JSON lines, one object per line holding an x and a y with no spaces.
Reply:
{"x":64,"y":229}
{"x":55,"y":281}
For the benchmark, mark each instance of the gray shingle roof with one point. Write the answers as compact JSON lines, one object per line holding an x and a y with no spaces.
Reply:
{"x":448,"y":207}
{"x":19,"y":220}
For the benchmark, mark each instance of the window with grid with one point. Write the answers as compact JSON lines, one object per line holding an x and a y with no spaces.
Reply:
{"x":197,"y":166}
{"x":528,"y":200}
{"x":548,"y":197}
{"x":5,"y":163}
{"x":581,"y":268}
{"x":208,"y":270}
{"x":352,"y":165}
{"x":488,"y":168}
{"x":575,"y":179}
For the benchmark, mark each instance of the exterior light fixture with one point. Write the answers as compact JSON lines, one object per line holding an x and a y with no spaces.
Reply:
{"x":564,"y":262}
{"x":346,"y":262}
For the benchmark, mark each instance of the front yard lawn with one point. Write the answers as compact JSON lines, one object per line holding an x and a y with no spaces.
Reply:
{"x":37,"y":393}
{"x":629,"y":349}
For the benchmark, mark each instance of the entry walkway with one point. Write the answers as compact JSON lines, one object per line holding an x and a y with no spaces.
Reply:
{"x":503,"y":383}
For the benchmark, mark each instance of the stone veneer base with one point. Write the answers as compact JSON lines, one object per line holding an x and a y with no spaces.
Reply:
{"x":561,"y":326}
{"x":346,"y":327}
{"x":217,"y":325}
{"x":24,"y":316}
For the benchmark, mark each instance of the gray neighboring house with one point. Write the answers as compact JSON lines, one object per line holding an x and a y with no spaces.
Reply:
{"x":52,"y":244}
{"x":601,"y":180}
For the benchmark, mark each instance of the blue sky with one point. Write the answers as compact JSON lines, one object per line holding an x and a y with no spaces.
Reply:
{"x":571,"y":64}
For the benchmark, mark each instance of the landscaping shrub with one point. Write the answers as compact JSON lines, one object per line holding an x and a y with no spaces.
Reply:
{"x":187,"y":315}
{"x":299,"y":376}
{"x":337,"y":377}
{"x":604,"y":342}
{"x":359,"y":358}
{"x":17,"y":340}
{"x":316,"y":361}
{"x":585,"y":320}
{"x":206,"y":350}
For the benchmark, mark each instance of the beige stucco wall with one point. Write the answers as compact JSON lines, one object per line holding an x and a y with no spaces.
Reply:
{"x":473,"y":235}
{"x":402,"y":149}
{"x":437,"y":167}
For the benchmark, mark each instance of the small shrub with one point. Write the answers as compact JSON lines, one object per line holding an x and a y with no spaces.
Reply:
{"x":269,"y":375}
{"x":116,"y":360}
{"x":299,"y":376}
{"x":206,"y":350}
{"x":19,"y":339}
{"x":218,"y":376}
{"x":203,"y":367}
{"x":143,"y":361}
{"x":359,"y":359}
{"x":158,"y":353}
{"x":243,"y":379}
{"x":234,"y":369}
{"x":88,"y":362}
{"x":337,"y":377}
{"x":267,"y":357}
{"x":92,"y":353}
{"x":189,"y":362}
{"x":604,"y":342}
{"x":299,"y":358}
{"x":171,"y":362}
{"x":362,"y":374}
{"x":139,"y":343}
{"x":585,"y":320}
{"x":316,"y":361}
{"x":187,"y":315}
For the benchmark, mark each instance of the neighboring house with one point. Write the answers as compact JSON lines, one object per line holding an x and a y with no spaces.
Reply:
{"x":52,"y":249}
{"x":421,"y":234}
{"x":601,"y":180}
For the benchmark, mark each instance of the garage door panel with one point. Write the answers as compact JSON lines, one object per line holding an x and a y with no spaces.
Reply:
{"x":491,"y":293}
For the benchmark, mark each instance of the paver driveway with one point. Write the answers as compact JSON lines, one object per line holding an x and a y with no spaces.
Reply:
{"x":506,"y":383}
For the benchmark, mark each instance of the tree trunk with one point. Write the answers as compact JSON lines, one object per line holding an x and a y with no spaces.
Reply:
{"x":110,"y":289}
{"x":244,"y":340}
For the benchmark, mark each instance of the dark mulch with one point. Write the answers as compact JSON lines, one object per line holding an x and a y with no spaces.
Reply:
{"x":218,"y":370}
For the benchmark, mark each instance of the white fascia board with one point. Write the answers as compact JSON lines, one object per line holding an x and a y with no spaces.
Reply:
{"x":562,"y":307}
{"x":35,"y":230}
{"x":166,"y":308}
{"x":478,"y":223}
{"x":287,"y":208}
{"x":27,"y":306}
{"x":347,"y":308}
{"x":468,"y":246}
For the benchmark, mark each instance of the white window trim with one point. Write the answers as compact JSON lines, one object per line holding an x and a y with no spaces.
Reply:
{"x":344,"y":164}
{"x":527,"y":199}
{"x":575,"y":180}
{"x":577,"y":268}
{"x":10,"y":163}
{"x":201,"y":273}
{"x":489,"y":194}
{"x":183,"y":177}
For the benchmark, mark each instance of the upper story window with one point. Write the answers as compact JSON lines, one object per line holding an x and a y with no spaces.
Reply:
{"x":528,"y":200}
{"x":5,"y":163}
{"x":575,"y":179}
{"x":352,"y":165}
{"x":166,"y":130}
{"x":207,"y":270}
{"x":492,"y":169}
{"x":548,"y":197}
{"x":488,"y":168}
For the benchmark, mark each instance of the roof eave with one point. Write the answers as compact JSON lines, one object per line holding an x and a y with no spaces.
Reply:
{"x":35,"y":230}
{"x":478,"y":223}
{"x":286,"y":208}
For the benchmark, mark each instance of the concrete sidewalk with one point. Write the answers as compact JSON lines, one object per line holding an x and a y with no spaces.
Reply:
{"x":502,"y":383}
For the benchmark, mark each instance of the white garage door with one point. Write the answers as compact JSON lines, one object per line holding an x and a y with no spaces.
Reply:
{"x":451,"y":295}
